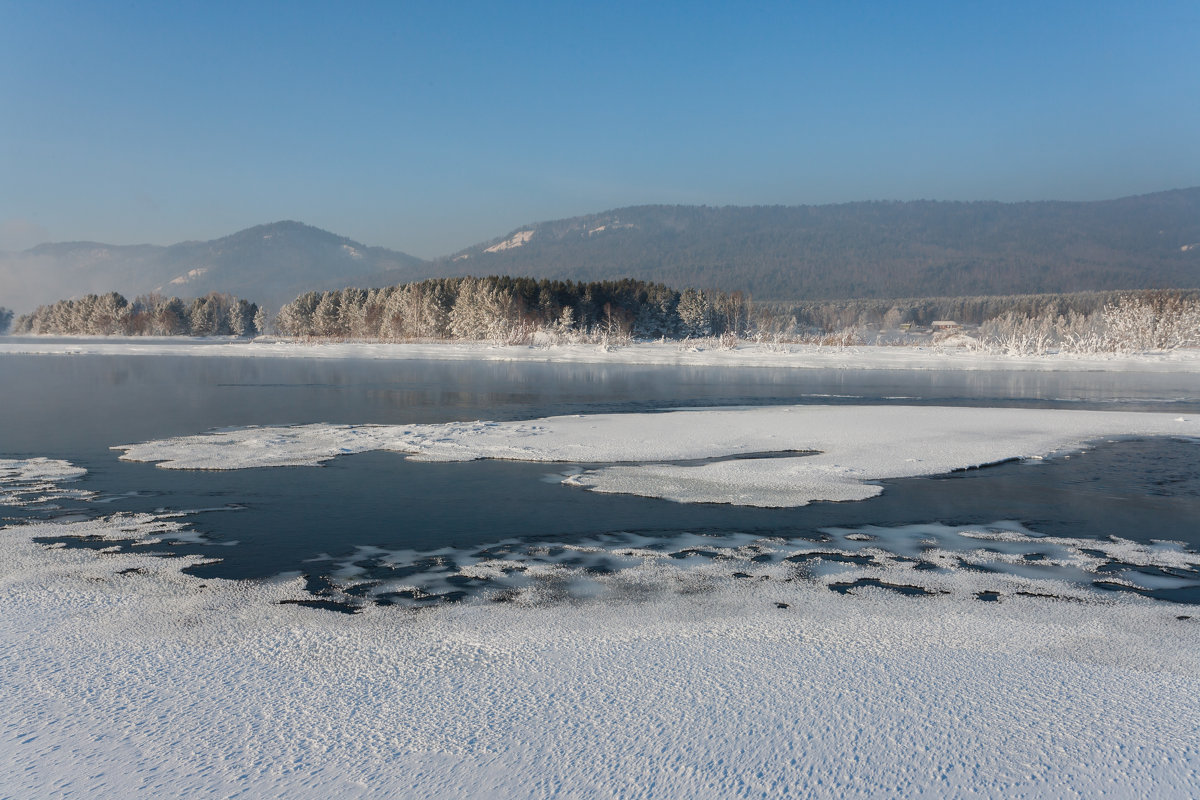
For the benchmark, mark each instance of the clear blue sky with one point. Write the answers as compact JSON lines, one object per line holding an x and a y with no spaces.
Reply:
{"x":427,"y":127}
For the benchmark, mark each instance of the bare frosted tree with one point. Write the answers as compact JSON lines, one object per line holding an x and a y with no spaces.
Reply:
{"x":262,"y":321}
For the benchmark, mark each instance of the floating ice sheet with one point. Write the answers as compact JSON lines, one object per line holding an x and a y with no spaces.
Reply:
{"x":37,"y":481}
{"x":30,"y":470}
{"x":855,"y":445}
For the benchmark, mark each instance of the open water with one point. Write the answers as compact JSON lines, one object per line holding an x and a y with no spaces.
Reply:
{"x":375,"y":525}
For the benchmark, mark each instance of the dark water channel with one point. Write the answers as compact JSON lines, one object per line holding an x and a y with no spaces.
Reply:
{"x":304,"y":519}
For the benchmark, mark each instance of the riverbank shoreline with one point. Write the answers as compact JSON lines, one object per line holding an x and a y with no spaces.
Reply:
{"x":685,"y":353}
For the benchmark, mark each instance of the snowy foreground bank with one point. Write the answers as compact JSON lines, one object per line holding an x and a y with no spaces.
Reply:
{"x":644,"y":353}
{"x":126,"y":678}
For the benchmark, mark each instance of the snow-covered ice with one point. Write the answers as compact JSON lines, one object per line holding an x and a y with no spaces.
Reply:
{"x":854,"y":446}
{"x":34,"y":470}
{"x":1003,"y":559}
{"x":124,"y":677}
{"x":37,"y":481}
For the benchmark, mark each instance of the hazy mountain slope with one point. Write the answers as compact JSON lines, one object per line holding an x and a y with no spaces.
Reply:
{"x":273,"y":263}
{"x":269,"y":264}
{"x":51,"y":272}
{"x":872,"y":249}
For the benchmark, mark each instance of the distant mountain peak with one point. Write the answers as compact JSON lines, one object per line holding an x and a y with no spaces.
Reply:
{"x":269,"y":264}
{"x":286,"y":230}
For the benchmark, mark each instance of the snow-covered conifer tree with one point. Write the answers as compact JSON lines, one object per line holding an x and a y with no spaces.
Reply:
{"x":326,"y":316}
{"x":695,"y":314}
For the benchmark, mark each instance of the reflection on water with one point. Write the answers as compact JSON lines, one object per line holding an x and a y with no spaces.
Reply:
{"x":80,"y":405}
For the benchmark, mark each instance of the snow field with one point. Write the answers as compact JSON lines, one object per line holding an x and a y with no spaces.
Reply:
{"x":158,"y":684}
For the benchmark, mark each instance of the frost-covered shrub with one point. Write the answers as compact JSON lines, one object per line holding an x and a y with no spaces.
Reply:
{"x":846,"y":337}
{"x":771,"y":342}
{"x":1153,"y":321}
{"x":1082,"y":334}
{"x":1158,"y":321}
{"x":1015,"y":335}
{"x":725,"y":341}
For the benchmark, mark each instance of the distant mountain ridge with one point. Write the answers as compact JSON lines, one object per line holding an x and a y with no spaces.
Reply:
{"x":866,"y":249}
{"x":270,"y":264}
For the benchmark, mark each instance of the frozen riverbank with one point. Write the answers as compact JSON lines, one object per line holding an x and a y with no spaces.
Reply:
{"x":129,"y":678}
{"x":646,"y":353}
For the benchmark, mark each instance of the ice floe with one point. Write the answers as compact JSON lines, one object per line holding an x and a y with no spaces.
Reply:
{"x":851,"y":446}
{"x":37,"y":481}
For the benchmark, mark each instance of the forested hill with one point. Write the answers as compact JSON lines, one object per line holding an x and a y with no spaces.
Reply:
{"x":868,"y":249}
{"x":268,"y":263}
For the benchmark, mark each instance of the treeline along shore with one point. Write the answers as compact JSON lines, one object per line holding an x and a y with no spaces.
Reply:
{"x":148,"y":315}
{"x":510,"y":310}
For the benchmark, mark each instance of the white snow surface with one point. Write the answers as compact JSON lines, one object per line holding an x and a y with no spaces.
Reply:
{"x":518,"y":239}
{"x":35,"y":481}
{"x":124,"y":677}
{"x":855,"y":445}
{"x":190,"y":275}
{"x":697,"y":354}
{"x":34,"y":470}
